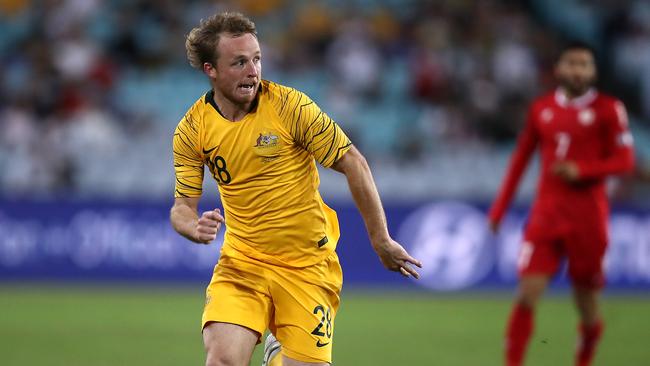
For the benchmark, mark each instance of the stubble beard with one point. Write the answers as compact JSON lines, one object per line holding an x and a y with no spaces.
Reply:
{"x":576,"y":89}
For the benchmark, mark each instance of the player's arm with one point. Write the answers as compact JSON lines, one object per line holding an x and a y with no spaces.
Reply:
{"x":526,"y":143}
{"x":619,"y":145}
{"x":317,"y":133}
{"x":362,"y":186}
{"x":185,"y":220}
{"x":188,"y":168}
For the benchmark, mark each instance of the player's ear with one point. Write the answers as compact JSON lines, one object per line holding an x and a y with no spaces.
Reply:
{"x":210,"y":70}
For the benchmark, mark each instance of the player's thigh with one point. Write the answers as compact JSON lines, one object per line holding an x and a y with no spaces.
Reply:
{"x":586,"y":253}
{"x":531,"y":287}
{"x":539,"y":255}
{"x":586,"y":299}
{"x":228,"y":344}
{"x":305,"y":305}
{"x":238,"y":294}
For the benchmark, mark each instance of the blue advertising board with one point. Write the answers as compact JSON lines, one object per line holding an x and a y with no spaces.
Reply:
{"x":66,"y":240}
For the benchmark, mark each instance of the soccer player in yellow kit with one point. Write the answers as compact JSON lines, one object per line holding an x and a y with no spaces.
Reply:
{"x":278,"y":267}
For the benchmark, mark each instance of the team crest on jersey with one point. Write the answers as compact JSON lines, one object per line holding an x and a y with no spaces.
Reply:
{"x":267,"y":145}
{"x":586,"y":117}
{"x":547,"y":115}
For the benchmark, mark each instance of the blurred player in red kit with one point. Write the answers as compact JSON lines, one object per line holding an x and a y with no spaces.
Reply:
{"x":583,"y":137}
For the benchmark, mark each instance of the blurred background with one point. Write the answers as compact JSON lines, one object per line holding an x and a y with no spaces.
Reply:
{"x":432,"y":92}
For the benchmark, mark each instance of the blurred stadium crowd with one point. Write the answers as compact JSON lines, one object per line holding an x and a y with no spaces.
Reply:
{"x":433,"y":92}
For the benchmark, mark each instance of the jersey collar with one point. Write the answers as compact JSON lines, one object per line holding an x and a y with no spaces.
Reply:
{"x":579,"y":102}
{"x":209,"y":99}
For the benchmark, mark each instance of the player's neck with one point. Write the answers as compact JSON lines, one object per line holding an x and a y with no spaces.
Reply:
{"x":575,"y":94}
{"x":566,"y":97}
{"x":231,"y":111}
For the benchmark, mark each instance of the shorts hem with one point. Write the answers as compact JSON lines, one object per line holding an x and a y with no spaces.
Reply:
{"x":247,"y":326}
{"x":590,"y":285}
{"x":304,"y":358}
{"x":537,"y":272}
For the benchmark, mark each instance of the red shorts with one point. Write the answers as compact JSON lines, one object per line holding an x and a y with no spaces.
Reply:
{"x":583,"y":243}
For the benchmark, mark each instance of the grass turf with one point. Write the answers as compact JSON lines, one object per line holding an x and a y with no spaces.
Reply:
{"x":109,"y":325}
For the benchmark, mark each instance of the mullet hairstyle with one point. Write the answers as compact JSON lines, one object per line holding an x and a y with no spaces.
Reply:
{"x":201,"y":43}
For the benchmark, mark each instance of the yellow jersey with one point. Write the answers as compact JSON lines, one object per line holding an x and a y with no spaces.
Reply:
{"x":265,"y":169}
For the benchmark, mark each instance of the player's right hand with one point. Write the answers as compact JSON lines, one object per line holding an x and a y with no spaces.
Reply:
{"x":567,"y":170}
{"x":208,"y":226}
{"x":395,"y":258}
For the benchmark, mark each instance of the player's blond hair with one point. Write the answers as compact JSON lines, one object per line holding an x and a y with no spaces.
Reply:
{"x":201,"y":43}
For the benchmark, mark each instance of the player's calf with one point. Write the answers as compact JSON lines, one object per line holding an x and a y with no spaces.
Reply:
{"x":587,"y":343}
{"x":521,"y":322}
{"x":590,"y":328}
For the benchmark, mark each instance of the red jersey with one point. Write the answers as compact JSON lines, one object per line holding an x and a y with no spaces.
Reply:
{"x":592,"y":131}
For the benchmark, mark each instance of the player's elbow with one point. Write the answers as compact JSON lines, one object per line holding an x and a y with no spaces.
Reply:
{"x":175,"y":218}
{"x":183,"y":216}
{"x":358,"y":159}
{"x":351,"y":162}
{"x":629,"y":164}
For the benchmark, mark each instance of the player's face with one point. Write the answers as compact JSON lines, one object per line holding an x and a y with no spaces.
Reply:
{"x":238,"y":71}
{"x":576,"y":71}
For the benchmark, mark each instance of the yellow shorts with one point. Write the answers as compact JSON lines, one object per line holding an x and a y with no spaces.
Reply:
{"x":298,"y":305}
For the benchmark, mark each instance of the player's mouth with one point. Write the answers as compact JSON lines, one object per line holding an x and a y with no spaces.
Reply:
{"x":578,"y":86}
{"x":247,"y":88}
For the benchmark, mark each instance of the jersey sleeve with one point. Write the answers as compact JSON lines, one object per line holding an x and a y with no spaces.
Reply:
{"x":526,"y":143}
{"x":188,"y":165}
{"x":619,"y":147}
{"x":311,"y":128}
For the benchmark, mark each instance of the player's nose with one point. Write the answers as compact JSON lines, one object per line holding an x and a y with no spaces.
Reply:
{"x":251,"y":69}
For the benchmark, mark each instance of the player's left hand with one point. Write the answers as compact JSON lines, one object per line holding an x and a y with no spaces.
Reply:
{"x":567,"y":170}
{"x":395,"y":258}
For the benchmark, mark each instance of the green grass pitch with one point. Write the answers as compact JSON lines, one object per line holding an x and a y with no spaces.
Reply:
{"x":118,"y":325}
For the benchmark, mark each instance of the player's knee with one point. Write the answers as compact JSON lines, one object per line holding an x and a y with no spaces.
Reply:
{"x":528,"y":299}
{"x":531,"y":290}
{"x":215,"y":358}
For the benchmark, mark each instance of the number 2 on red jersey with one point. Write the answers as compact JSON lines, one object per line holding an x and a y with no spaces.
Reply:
{"x":563,"y":141}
